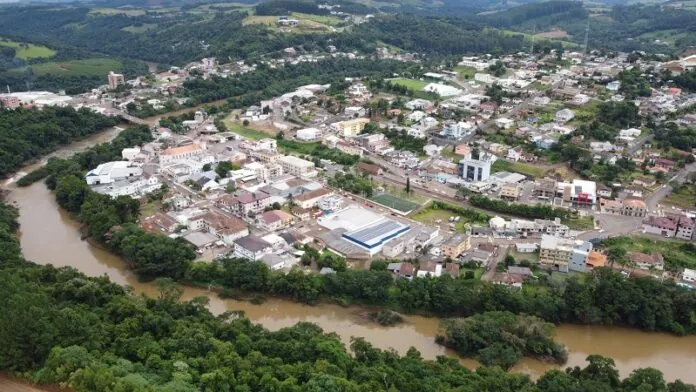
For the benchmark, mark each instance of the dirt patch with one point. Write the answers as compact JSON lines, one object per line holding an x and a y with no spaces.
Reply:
{"x":554,"y":33}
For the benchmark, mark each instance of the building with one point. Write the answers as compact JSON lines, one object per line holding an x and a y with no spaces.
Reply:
{"x":685,"y":228}
{"x":110,"y":172}
{"x":660,"y":226}
{"x":297,"y":166}
{"x":564,"y":115}
{"x":579,"y":193}
{"x":476,"y":169}
{"x":564,"y":254}
{"x":455,"y":246}
{"x":190,"y":151}
{"x":647,"y":261}
{"x":313,"y":198}
{"x":510,"y":192}
{"x":9,"y":101}
{"x":308,"y":134}
{"x":274,"y":220}
{"x":350,"y":128}
{"x":251,"y":247}
{"x":634,"y":207}
{"x":331,"y":203}
{"x":254,"y":202}
{"x":370,"y":168}
{"x":689,"y":275}
{"x":115,"y":80}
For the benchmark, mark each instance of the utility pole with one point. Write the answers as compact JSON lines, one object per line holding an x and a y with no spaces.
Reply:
{"x":533,"y":38}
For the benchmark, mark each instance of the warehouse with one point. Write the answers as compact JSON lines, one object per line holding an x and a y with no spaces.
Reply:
{"x":366,"y":229}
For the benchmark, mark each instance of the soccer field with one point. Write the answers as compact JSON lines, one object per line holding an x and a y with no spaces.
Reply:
{"x":394,"y":202}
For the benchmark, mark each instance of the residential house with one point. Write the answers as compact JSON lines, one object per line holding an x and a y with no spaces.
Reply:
{"x":647,"y":261}
{"x":370,"y":168}
{"x":251,"y":247}
{"x":302,"y":214}
{"x":312,"y":198}
{"x":274,"y":220}
{"x":689,"y":276}
{"x":243,"y":205}
{"x":685,"y":228}
{"x":429,"y":269}
{"x":507,"y":279}
{"x":564,"y":115}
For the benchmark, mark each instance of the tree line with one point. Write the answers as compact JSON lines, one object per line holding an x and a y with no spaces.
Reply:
{"x":537,"y":211}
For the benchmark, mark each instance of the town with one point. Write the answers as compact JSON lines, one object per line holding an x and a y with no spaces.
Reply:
{"x":494,"y":169}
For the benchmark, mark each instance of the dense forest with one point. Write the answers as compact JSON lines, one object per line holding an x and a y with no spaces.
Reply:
{"x":27,"y":134}
{"x":91,"y":335}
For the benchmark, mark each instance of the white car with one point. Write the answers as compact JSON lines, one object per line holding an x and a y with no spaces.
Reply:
{"x":601,"y":230}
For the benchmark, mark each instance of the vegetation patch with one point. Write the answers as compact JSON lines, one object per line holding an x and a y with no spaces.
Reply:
{"x":682,"y":196}
{"x":25,"y":51}
{"x":141,"y":28}
{"x":527,"y":169}
{"x":96,"y":66}
{"x":677,"y":255}
{"x":245,"y":131}
{"x":441,"y":212}
{"x":502,"y":338}
{"x":385,"y":317}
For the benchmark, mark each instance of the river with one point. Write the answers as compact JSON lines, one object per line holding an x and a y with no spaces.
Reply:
{"x":48,"y":235}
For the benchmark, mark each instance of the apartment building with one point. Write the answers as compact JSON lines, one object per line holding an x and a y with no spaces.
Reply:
{"x":454,"y":246}
{"x":564,"y":254}
{"x":350,"y":128}
{"x":297,"y":166}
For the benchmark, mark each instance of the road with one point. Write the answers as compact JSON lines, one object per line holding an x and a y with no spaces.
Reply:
{"x":655,"y":198}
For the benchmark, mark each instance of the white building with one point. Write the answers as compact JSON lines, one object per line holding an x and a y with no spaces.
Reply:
{"x":442,"y":90}
{"x":129,"y":154}
{"x":110,"y":172}
{"x":474,"y":170}
{"x":309,"y":134}
{"x":251,"y":247}
{"x":457,"y":130}
{"x":331,"y":203}
{"x":297,"y":166}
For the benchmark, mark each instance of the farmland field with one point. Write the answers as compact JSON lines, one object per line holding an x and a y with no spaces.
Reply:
{"x":26,"y":51}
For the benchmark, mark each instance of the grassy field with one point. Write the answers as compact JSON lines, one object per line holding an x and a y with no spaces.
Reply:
{"x":465,"y":72}
{"x":396,"y":203}
{"x":683,"y":197}
{"x":415,"y":85}
{"x":518,"y":167}
{"x":430,"y":215}
{"x":308,"y":23}
{"x":140,"y":29}
{"x":78,"y":67}
{"x":246,"y":132}
{"x":26,"y":51}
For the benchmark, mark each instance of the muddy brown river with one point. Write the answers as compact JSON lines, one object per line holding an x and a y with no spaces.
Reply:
{"x":49,"y":236}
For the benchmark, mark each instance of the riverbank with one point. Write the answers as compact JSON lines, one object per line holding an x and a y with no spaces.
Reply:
{"x":50,"y":236}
